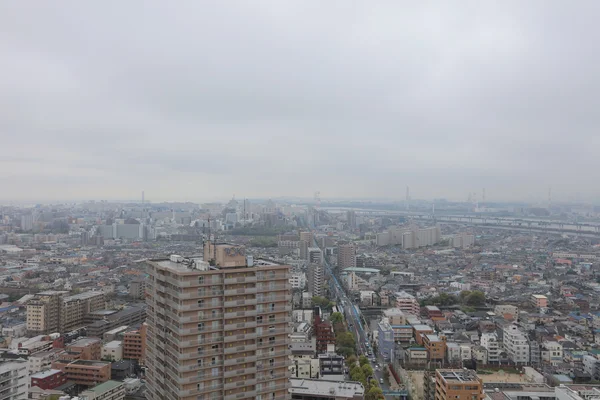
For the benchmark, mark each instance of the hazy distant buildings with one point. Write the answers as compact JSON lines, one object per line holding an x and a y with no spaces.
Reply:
{"x":27,"y":222}
{"x":351,"y":219}
{"x":346,"y":255}
{"x":315,"y":255}
{"x":410,"y":237}
{"x":463,"y":240}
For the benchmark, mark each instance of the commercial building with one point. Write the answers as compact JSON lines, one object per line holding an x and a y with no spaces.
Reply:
{"x":331,"y":363}
{"x":14,"y":380}
{"x":84,"y":372}
{"x":44,"y":312}
{"x":49,"y":379}
{"x":76,"y":307}
{"x":458,"y":384}
{"x":218,"y":331}
{"x":109,"y":390}
{"x":134,"y":344}
{"x":516,"y":345}
{"x":315,"y":279}
{"x":316,"y":389}
{"x":346,"y":255}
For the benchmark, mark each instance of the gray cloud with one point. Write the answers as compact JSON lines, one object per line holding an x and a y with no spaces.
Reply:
{"x":198,"y":100}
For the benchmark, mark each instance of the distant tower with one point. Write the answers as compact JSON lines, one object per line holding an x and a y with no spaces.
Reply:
{"x":318,"y":199}
{"x":407,"y":198}
{"x":549,"y":198}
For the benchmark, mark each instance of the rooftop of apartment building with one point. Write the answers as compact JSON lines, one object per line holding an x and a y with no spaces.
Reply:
{"x":87,"y":363}
{"x":84,"y":341}
{"x":104,"y":387}
{"x":83,"y":296}
{"x":458,"y":375}
{"x":52,"y":292}
{"x":326,"y":388}
{"x":45,"y":374}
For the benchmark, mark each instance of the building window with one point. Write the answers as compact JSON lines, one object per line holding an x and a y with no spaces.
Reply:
{"x":200,"y":280}
{"x":259,"y":319}
{"x":200,"y":303}
{"x":201,"y":326}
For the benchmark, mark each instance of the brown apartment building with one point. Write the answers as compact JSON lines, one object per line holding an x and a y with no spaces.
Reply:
{"x":84,"y":372}
{"x":217,"y":329}
{"x":134,"y":344}
{"x":458,"y":384}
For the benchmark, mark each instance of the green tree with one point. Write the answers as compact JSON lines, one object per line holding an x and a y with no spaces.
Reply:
{"x":346,"y":352}
{"x":345,"y":339}
{"x":464,"y":294}
{"x":363,"y":360}
{"x":336,"y":317}
{"x":476,"y":298}
{"x":351,"y":360}
{"x":374,"y":393}
{"x":367,"y":370}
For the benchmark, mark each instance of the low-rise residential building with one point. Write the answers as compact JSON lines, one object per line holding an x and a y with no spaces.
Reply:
{"x":407,"y":303}
{"x":552,"y":353}
{"x":109,"y":390}
{"x":385,"y":338}
{"x":489,"y":341}
{"x":326,"y":390}
{"x":435,"y":346}
{"x":112,"y":351}
{"x":48,"y":379}
{"x":134,"y":344}
{"x":85,"y":372}
{"x":539,"y":300}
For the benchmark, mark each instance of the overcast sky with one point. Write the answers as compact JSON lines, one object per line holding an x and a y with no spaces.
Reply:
{"x":202,"y":100}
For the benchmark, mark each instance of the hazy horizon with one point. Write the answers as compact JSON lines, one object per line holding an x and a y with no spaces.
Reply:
{"x":198,"y":100}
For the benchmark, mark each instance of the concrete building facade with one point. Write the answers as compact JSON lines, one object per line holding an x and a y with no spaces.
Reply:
{"x":218,"y":331}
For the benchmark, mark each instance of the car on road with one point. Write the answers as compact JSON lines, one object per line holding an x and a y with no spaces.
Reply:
{"x":380,"y":380}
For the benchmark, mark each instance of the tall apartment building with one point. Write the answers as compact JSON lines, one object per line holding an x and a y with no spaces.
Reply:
{"x":458,"y":384}
{"x":411,"y":237}
{"x":315,"y":255}
{"x":14,"y":380}
{"x":307,"y":236}
{"x":490,"y":342}
{"x":44,"y":312}
{"x":316,"y":279}
{"x":76,"y":307}
{"x":217,"y":331}
{"x":516,"y":345}
{"x":346,"y":255}
{"x":137,"y":289}
{"x":351,"y":219}
{"x":463,"y":240}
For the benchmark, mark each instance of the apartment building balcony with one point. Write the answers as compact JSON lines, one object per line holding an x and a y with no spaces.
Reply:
{"x":239,"y":372}
{"x":241,"y":302}
{"x":239,"y":384}
{"x":277,"y":364}
{"x":240,"y":325}
{"x":239,"y":360}
{"x":273,"y":354}
{"x":273,"y":299}
{"x":266,"y":321}
{"x":201,"y":341}
{"x":268,"y":377}
{"x":240,"y":279}
{"x":239,"y":349}
{"x":240,"y":291}
{"x":242,"y":395}
{"x":244,"y":313}
{"x":235,"y":338}
{"x":273,"y":388}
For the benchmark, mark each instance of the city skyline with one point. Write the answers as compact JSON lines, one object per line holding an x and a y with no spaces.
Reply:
{"x":276,"y":99}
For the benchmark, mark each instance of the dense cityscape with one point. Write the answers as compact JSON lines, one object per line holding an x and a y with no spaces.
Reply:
{"x":299,"y":200}
{"x":271,"y":299}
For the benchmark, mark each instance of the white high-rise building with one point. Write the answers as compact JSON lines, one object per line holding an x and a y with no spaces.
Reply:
{"x":516,"y":345}
{"x":14,"y":380}
{"x":490,"y":342}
